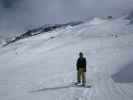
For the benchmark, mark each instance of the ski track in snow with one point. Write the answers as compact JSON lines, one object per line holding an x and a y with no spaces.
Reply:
{"x":25,"y":66}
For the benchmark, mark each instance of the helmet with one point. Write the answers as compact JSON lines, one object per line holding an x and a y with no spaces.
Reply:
{"x":80,"y":54}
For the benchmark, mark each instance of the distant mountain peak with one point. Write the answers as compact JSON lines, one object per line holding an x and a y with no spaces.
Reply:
{"x":130,"y":17}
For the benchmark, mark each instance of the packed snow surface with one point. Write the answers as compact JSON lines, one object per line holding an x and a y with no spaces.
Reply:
{"x":43,"y":67}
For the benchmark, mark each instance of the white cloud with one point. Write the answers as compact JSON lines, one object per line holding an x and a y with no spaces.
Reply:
{"x":28,"y":13}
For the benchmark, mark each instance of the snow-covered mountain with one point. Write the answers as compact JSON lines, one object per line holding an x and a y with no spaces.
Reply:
{"x":39,"y":30}
{"x":43,"y":67}
{"x":130,"y":17}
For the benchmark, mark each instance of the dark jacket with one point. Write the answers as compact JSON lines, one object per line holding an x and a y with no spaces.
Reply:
{"x":81,"y":63}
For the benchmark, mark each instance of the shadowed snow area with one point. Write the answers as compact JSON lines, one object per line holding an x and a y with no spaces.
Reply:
{"x":43,"y":68}
{"x":125,"y":75}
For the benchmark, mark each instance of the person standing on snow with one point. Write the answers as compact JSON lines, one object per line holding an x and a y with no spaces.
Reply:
{"x":81,"y":69}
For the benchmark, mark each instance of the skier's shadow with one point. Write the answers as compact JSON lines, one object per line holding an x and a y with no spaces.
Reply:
{"x":51,"y":88}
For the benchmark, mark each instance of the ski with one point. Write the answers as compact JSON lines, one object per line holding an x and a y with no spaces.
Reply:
{"x":75,"y":84}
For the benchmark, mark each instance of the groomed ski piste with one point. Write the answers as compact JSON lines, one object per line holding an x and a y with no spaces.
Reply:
{"x":43,"y":68}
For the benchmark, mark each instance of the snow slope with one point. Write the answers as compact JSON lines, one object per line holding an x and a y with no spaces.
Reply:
{"x":43,"y":67}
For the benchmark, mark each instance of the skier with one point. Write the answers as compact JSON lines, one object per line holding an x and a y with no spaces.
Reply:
{"x":81,"y":69}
